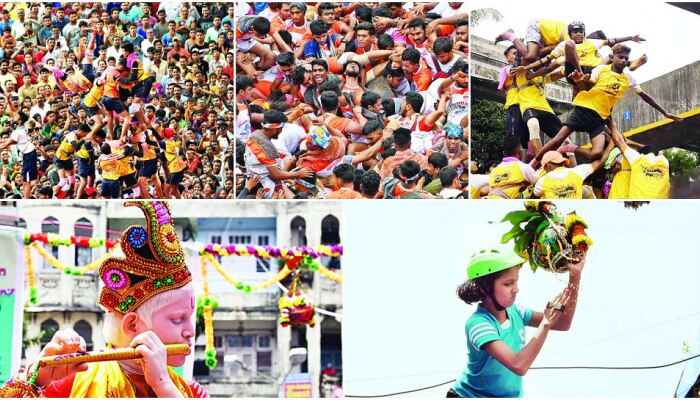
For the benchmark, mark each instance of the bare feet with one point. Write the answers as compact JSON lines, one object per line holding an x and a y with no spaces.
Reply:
{"x":507,"y":35}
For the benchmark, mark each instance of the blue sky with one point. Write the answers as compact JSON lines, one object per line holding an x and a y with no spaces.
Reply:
{"x":404,"y":324}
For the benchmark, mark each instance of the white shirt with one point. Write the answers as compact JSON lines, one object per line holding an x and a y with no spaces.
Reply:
{"x":23,"y":145}
{"x":445,"y":10}
{"x":287,"y":143}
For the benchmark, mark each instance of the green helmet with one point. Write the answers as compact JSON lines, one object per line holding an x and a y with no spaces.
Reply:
{"x":491,"y":260}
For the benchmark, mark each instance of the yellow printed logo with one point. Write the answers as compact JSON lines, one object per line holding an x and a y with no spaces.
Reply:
{"x":652,"y":172}
{"x":500,"y":178}
{"x":566,"y":191}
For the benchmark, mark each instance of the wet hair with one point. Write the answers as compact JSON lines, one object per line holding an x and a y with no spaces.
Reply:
{"x":371,"y":126}
{"x":318,"y":27}
{"x":366,"y":26}
{"x":412,"y":55}
{"x":285,"y":59}
{"x":329,"y":101}
{"x":369,"y":99}
{"x":402,"y":137}
{"x":438,"y":160}
{"x":409,"y":169}
{"x":345,"y":172}
{"x":286,"y":37}
{"x":370,"y":183}
{"x":297,"y":75}
{"x":511,"y":145}
{"x":261,"y":25}
{"x":363,"y":14}
{"x":415,"y":100}
{"x":417,"y":23}
{"x":384,"y":41}
{"x":274,"y":117}
{"x":243,"y":82}
{"x":323,"y":7}
{"x":320,"y":62}
{"x":442,"y":46}
{"x":461,"y":22}
{"x":382,"y":11}
{"x":447,"y":175}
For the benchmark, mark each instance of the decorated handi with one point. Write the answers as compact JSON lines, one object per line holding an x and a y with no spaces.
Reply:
{"x":296,"y":307}
{"x":546,"y":238}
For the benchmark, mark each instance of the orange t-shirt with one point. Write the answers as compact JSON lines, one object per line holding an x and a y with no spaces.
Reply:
{"x":423,"y":77}
{"x":345,"y":194}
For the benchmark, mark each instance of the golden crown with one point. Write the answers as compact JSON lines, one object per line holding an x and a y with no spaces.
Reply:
{"x":154,"y":261}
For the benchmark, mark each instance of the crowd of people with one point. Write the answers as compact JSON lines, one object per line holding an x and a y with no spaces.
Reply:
{"x":351,"y":101}
{"x":552,"y":50}
{"x":116,"y":100}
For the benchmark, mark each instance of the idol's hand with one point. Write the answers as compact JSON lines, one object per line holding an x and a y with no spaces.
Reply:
{"x":155,"y":364}
{"x":63,"y":342}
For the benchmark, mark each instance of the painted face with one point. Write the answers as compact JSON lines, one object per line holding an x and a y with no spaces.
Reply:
{"x":172,"y":322}
{"x":505,"y":287}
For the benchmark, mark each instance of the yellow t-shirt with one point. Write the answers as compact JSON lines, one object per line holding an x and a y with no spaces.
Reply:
{"x":587,"y":52}
{"x":649,"y":180}
{"x":507,"y":177}
{"x":65,"y":149}
{"x":620,"y":188}
{"x":553,"y":32}
{"x":110,"y":169}
{"x":94,"y":95}
{"x":570,"y":187}
{"x":511,"y":91}
{"x":531,"y":93}
{"x":172,"y":155}
{"x":608,"y":89}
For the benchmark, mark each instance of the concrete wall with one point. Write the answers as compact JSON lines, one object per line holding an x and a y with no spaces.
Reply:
{"x":677,"y":91}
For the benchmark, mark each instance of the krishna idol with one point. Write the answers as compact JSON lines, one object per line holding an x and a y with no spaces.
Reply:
{"x":149,"y":301}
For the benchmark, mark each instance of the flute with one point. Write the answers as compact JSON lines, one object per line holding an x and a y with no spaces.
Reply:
{"x":179,"y":349}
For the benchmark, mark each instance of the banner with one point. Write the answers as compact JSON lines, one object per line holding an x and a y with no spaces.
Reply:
{"x":298,"y":385}
{"x":11,"y":313}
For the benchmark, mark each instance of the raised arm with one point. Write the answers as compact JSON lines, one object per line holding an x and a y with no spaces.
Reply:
{"x":652,"y":102}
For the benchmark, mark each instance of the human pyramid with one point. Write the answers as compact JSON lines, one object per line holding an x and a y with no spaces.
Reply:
{"x":350,"y":102}
{"x":552,"y":50}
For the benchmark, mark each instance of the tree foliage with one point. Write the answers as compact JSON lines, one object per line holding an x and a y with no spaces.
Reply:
{"x":682,"y":162}
{"x":488,"y":127}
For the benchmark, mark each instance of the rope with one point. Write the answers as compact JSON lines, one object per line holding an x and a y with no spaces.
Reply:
{"x":537,"y":368}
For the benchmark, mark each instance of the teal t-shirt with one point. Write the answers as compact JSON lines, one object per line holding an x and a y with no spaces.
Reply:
{"x":484,"y":376}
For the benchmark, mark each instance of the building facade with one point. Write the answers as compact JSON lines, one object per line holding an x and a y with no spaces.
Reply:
{"x":253,"y":350}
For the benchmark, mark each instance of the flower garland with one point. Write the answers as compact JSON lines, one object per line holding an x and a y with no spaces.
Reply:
{"x":265,"y":252}
{"x":284,"y":272}
{"x":78,"y":241}
{"x":68,"y":270}
{"x":208,"y":304}
{"x":31,"y":279}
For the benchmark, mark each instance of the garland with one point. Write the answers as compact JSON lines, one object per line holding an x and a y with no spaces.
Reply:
{"x":78,"y":241}
{"x":68,"y":270}
{"x":284,"y":272}
{"x":265,"y":252}
{"x":31,"y":279}
{"x":207,"y":304}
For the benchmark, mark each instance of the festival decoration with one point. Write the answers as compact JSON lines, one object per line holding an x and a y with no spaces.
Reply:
{"x":66,"y":269}
{"x":544,"y":237}
{"x":265,"y":252}
{"x":77,"y":241}
{"x":296,"y":307}
{"x":207,"y":304}
{"x":31,"y":278}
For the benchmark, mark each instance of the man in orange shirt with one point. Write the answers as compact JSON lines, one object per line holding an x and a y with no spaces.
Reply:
{"x":402,"y":144}
{"x":346,"y":174}
{"x":415,"y":70}
{"x":329,"y":103}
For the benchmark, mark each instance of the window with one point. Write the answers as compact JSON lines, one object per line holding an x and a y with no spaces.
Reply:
{"x":216,"y":239}
{"x":83,"y":255}
{"x":240,"y":239}
{"x":263,"y":240}
{"x":47,"y":328}
{"x":263,"y":341}
{"x":298,"y":232}
{"x":50,"y":225}
{"x":84,"y":329}
{"x":262,"y":265}
{"x":218,"y":342}
{"x":264,"y":361}
{"x":330,"y":230}
{"x":240,"y":341}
